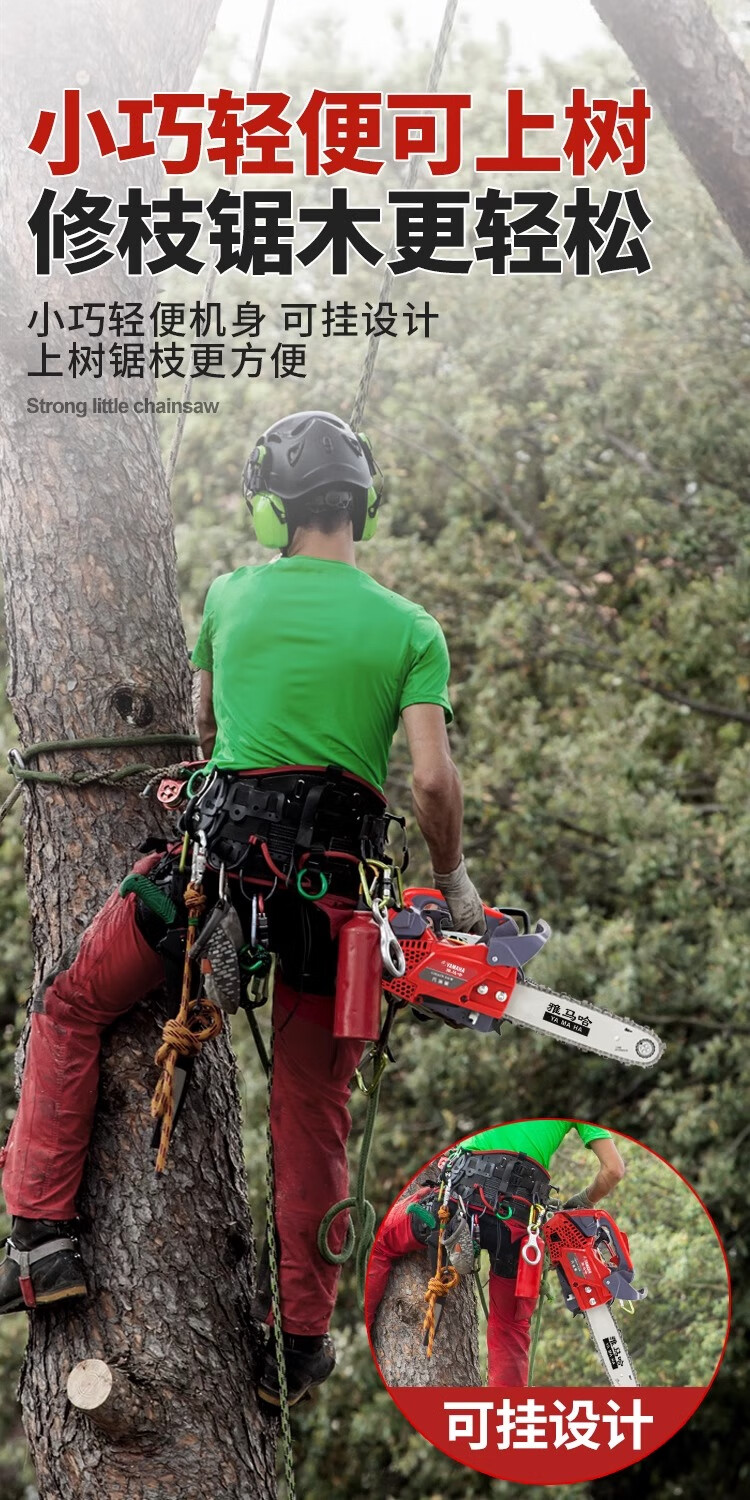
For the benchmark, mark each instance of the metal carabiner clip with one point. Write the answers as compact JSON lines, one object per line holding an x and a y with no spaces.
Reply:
{"x":531,"y":1250}
{"x":391,"y":951}
{"x":200,"y":859}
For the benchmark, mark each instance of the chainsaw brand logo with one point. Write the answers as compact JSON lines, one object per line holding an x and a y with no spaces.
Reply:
{"x":613,"y":1353}
{"x":580,"y":1265}
{"x":568,"y":1018}
{"x":451,"y":977}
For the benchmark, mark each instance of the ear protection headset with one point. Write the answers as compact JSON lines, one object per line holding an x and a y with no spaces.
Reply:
{"x":274,"y":527}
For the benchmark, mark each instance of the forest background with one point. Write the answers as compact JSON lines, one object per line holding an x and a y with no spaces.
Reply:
{"x":567,"y":466}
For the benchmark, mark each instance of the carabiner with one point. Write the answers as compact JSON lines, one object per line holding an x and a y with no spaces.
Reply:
{"x":531,"y":1250}
{"x":391,"y":951}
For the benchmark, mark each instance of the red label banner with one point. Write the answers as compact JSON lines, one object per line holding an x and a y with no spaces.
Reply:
{"x":547,"y":1434}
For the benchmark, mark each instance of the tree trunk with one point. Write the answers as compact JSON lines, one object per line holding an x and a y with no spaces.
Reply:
{"x":97,"y":648}
{"x":397,"y":1331}
{"x":701,"y":87}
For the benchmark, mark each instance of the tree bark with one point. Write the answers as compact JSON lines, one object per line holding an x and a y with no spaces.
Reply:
{"x":397,"y":1330}
{"x":97,"y":648}
{"x":701,"y":87}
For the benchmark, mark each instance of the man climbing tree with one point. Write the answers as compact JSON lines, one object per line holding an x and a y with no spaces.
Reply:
{"x":305,"y":666}
{"x":491,"y":1183}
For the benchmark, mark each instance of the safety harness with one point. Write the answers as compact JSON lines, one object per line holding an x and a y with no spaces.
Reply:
{"x":205,"y":906}
{"x":478,"y":1194}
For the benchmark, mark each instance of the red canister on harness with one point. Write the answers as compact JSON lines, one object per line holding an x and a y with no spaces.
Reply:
{"x":359,"y":979}
{"x":529,"y":1275}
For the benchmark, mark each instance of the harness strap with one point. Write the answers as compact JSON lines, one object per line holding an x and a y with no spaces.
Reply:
{"x":25,"y":1259}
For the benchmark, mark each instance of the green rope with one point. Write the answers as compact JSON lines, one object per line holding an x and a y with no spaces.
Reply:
{"x":480,"y":1289}
{"x":362,"y":1209}
{"x":543,"y":1294}
{"x":22,"y":772}
{"x":156,"y":900}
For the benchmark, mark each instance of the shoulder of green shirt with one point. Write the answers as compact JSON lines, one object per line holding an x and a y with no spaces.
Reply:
{"x":589,"y":1133}
{"x":428,"y":667}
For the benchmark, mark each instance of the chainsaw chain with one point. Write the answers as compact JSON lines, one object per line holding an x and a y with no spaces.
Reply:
{"x":568,"y":1037}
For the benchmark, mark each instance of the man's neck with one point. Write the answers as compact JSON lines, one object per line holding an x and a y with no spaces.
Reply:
{"x":335,"y":546}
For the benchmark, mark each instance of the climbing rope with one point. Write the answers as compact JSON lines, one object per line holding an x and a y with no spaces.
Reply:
{"x":22,"y":772}
{"x":360,"y":1232}
{"x":480,"y":1290}
{"x":543,"y":1295}
{"x":360,"y":400}
{"x":211,"y":275}
{"x":439,"y":1285}
{"x":273,"y":1262}
{"x":183,"y":1035}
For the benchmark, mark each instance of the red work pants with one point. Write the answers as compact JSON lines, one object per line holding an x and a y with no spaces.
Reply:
{"x":508,"y":1333}
{"x":509,"y":1322}
{"x":46,"y":1150}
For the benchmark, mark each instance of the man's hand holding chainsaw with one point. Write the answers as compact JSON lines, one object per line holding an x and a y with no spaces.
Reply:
{"x":438,"y":807}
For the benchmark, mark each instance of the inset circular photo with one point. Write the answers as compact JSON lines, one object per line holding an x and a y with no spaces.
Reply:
{"x":548,"y":1301}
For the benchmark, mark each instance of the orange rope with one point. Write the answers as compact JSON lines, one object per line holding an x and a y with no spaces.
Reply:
{"x":444,"y":1280}
{"x":184,"y":1034}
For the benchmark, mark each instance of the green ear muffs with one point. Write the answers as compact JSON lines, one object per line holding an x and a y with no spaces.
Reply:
{"x":267,"y":509}
{"x":374,"y":493}
{"x":269,"y":519}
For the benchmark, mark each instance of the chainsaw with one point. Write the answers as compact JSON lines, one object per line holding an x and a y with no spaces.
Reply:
{"x":479,"y":981}
{"x":592,"y":1259}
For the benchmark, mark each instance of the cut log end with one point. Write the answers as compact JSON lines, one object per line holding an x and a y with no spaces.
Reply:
{"x":89,"y":1384}
{"x":112,"y":1402}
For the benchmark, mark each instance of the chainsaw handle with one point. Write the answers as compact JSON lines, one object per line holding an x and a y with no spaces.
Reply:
{"x":516,"y":952}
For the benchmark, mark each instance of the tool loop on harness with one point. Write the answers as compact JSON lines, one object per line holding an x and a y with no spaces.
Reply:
{"x":303,"y":875}
{"x":183,"y":1035}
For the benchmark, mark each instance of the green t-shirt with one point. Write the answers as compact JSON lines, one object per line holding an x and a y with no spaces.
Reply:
{"x":312,"y":663}
{"x":536,"y":1138}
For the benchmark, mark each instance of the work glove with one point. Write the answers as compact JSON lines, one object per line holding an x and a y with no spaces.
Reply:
{"x":579,"y":1200}
{"x":462,"y":898}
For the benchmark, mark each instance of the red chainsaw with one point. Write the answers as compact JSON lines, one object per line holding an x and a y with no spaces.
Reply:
{"x":592,"y":1259}
{"x":480,"y":982}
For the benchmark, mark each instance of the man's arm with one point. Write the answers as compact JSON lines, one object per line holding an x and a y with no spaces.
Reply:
{"x":611,"y":1171}
{"x":438,"y":807}
{"x":204,"y":714}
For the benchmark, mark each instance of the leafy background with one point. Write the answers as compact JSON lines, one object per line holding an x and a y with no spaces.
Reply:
{"x":568,"y":492}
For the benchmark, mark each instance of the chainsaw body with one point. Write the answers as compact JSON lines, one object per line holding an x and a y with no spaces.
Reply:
{"x":455,"y":976}
{"x":592,"y":1259}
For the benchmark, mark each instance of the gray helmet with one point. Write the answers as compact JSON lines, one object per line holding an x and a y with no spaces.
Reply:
{"x":305,"y":455}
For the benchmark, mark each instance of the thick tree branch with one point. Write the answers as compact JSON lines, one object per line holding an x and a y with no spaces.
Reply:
{"x":701,"y":87}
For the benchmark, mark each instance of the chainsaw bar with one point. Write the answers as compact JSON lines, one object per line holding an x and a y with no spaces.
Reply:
{"x":587,"y":1027}
{"x":610,"y":1346}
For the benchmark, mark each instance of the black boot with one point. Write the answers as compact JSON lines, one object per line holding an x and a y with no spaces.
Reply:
{"x":42,"y":1264}
{"x":309,"y":1361}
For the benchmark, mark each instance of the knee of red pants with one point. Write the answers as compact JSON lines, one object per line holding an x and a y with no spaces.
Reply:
{"x":394,"y":1238}
{"x":508,"y":1333}
{"x":46,"y":1148}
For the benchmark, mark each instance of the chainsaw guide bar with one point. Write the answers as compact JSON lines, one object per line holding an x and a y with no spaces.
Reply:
{"x":479,"y":982}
